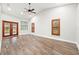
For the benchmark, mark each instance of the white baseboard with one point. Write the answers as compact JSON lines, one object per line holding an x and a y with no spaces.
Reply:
{"x":53,"y":38}
{"x":56,"y":39}
{"x":77,"y":45}
{"x":23,"y":33}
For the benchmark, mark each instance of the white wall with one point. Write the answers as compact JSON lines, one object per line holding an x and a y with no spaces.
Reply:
{"x":77,"y":23}
{"x":67,"y":15}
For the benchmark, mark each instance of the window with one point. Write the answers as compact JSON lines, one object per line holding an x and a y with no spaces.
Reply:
{"x":24,"y":25}
{"x":56,"y":27}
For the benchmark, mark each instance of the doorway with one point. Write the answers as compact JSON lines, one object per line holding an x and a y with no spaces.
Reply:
{"x":33,"y":27}
{"x":9,"y":28}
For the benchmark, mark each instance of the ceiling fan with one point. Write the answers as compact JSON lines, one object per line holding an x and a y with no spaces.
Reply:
{"x":29,"y":9}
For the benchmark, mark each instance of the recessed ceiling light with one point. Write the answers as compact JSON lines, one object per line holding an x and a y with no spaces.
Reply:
{"x":21,"y":13}
{"x":9,"y":9}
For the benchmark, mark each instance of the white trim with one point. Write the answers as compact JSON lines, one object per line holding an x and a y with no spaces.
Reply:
{"x":53,"y":38}
{"x":56,"y":39}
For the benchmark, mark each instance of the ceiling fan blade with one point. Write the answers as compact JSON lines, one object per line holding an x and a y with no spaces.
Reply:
{"x":34,"y":12}
{"x":25,"y":9}
{"x":32,"y":9}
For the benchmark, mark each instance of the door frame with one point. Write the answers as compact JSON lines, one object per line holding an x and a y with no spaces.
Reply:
{"x":3,"y":35}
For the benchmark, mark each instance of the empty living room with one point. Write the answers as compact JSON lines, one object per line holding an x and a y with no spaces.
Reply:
{"x":39,"y":29}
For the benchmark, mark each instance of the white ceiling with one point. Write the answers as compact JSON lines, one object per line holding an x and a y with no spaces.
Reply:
{"x":18,"y":8}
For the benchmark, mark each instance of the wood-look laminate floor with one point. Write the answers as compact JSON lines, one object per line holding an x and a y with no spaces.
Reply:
{"x":34,"y":45}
